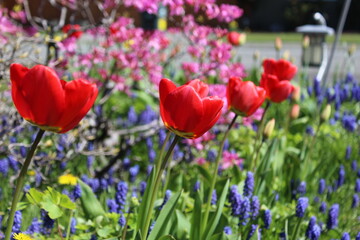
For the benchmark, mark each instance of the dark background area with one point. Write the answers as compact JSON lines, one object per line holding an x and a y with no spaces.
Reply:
{"x":259,"y":15}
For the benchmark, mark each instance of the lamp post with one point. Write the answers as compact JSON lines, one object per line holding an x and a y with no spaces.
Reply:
{"x":315,"y":53}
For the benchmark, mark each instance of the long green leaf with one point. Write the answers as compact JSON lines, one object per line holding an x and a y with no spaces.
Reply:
{"x":215,"y":219}
{"x":167,"y":237}
{"x":89,"y":202}
{"x":145,"y":203}
{"x":164,"y":218}
{"x":196,"y":219}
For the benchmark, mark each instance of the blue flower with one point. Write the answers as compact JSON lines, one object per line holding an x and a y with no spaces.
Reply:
{"x":301,"y":206}
{"x":252,"y":231}
{"x":348,"y":152}
{"x":122,"y":220}
{"x":147,"y":116}
{"x":354,"y":165}
{"x":358,"y":236}
{"x":211,"y":155}
{"x":310,"y":227}
{"x":333,"y":215}
{"x":227,"y":230}
{"x":17,"y":222}
{"x":301,"y":190}
{"x":34,"y":227}
{"x":255,"y":207}
{"x":315,"y":232}
{"x":166,"y":198}
{"x":267,"y":219}
{"x":322,"y":186}
{"x":133,"y":172}
{"x":4,"y":166}
{"x":345,"y":236}
{"x":245,"y":211}
{"x":196,"y":186}
{"x":112,"y":205}
{"x":142,"y":187}
{"x":322,"y":207}
{"x":120,"y":196}
{"x":235,"y":200}
{"x":357,"y":185}
{"x":132,"y":117}
{"x":72,"y":226}
{"x":355,"y":201}
{"x":249,"y":184}
{"x":341,"y":176}
{"x":349,"y":122}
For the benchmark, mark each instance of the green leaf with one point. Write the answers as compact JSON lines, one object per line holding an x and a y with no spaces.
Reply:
{"x":182,"y":225}
{"x":89,"y":202}
{"x":145,"y":204}
{"x":204,"y":173}
{"x":167,"y":237}
{"x":34,"y":196}
{"x":215,"y":219}
{"x":66,"y":202}
{"x":53,"y":210}
{"x":195,"y":230}
{"x":164,"y":218}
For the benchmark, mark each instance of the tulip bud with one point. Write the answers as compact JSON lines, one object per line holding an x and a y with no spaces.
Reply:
{"x":325,"y":115}
{"x":295,"y":111}
{"x":295,"y":96}
{"x":286,"y":55}
{"x":256,"y":55}
{"x":278,"y":43}
{"x":351,"y":49}
{"x":269,"y":128}
{"x":306,"y":41}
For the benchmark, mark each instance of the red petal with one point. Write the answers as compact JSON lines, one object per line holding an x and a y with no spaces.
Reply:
{"x":212,"y":111}
{"x":200,"y":87}
{"x":80,"y":96}
{"x":286,"y":70}
{"x":43,"y":91}
{"x":17,"y":73}
{"x":165,"y":87}
{"x":183,"y":109}
{"x":281,"y":91}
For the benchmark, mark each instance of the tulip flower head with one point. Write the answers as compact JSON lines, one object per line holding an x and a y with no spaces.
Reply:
{"x":186,"y":110}
{"x":244,"y":97}
{"x":236,"y":39}
{"x":276,"y":79}
{"x":44,"y":100}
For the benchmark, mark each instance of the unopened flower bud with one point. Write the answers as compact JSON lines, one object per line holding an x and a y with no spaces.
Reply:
{"x":286,"y":55}
{"x":325,"y":115}
{"x":351,"y":49}
{"x":269,"y":128}
{"x":278,"y":43}
{"x":295,"y":111}
{"x":256,"y":55}
{"x":306,"y":41}
{"x":295,"y":96}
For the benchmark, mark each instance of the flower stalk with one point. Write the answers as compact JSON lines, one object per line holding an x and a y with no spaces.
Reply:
{"x":20,"y":183}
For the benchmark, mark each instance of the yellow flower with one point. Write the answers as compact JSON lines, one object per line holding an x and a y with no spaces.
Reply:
{"x":67,"y":179}
{"x":21,"y":236}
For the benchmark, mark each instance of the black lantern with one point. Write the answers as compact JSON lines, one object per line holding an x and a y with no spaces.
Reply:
{"x":314,"y":50}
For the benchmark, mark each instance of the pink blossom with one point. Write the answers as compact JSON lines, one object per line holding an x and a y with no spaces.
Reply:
{"x":248,"y":121}
{"x":196,"y":51}
{"x":212,"y":10}
{"x":229,"y":13}
{"x":68,"y":45}
{"x":230,"y":159}
{"x":227,"y":71}
{"x":221,"y":53}
{"x":191,"y":67}
{"x":6,"y":26}
{"x":198,"y":143}
{"x":200,"y":161}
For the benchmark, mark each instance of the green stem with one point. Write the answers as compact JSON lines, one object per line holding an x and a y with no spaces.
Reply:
{"x":156,"y":185}
{"x":256,"y":156}
{"x":20,"y":184}
{"x":259,"y":131}
{"x":296,"y":231}
{"x":215,"y":173}
{"x":69,"y":225}
{"x":160,"y":158}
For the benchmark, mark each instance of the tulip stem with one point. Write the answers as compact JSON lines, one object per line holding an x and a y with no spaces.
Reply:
{"x":258,"y":135}
{"x":155,"y":186}
{"x":20,"y":183}
{"x":215,"y":173}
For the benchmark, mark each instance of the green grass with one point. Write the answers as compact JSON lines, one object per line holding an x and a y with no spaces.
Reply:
{"x":296,"y":37}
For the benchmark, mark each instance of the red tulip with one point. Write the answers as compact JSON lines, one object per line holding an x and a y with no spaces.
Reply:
{"x":186,"y":110}
{"x":236,"y":39}
{"x":72,"y":30}
{"x":244,"y":98}
{"x":48,"y":102}
{"x":283,"y":69}
{"x":276,"y":90}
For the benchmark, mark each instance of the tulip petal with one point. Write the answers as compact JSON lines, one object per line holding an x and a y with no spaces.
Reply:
{"x":212,"y":111}
{"x":80,"y":95}
{"x":200,"y":87}
{"x":43,"y":91}
{"x":183,"y":109}
{"x":17,"y":73}
{"x":281,"y":91}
